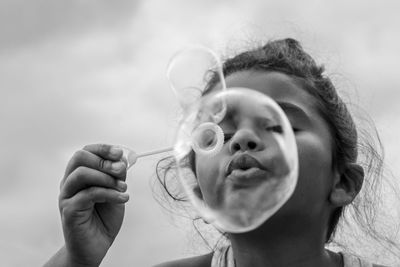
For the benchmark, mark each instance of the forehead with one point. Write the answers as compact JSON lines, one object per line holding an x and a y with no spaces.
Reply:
{"x":278,"y":86}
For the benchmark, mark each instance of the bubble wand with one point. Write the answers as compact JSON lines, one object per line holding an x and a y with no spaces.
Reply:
{"x":131,"y":156}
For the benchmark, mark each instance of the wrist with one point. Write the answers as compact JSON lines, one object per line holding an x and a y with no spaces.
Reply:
{"x":63,"y":259}
{"x":73,"y":262}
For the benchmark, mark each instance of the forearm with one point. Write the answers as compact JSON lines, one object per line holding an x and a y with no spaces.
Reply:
{"x":61,"y":259}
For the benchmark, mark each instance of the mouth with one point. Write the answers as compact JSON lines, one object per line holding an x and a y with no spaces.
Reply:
{"x":245,"y":169}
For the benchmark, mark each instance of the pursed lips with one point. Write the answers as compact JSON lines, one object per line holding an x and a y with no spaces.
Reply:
{"x":243,"y":162}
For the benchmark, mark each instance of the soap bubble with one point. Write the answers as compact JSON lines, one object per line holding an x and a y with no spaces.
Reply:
{"x":237,"y":158}
{"x":189,"y":70}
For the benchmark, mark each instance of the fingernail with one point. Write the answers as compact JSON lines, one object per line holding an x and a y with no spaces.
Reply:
{"x":122,"y":186}
{"x":124,"y":196}
{"x":117,"y":166}
{"x":115,"y":151}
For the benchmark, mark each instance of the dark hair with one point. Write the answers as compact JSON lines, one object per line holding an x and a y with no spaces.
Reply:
{"x":288,"y":57}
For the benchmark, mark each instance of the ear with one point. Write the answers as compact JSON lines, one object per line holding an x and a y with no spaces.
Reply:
{"x":347,"y":185}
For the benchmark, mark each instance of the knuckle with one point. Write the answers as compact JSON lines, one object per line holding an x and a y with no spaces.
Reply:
{"x":86,"y":147}
{"x":95,"y":194}
{"x":79,"y":175}
{"x":61,"y":205}
{"x":92,"y":192}
{"x":61,"y":184}
{"x":77,"y":159}
{"x":102,"y":164}
{"x":109,"y":166}
{"x":68,"y":215}
{"x":78,"y":156}
{"x":60,"y":200}
{"x":80,"y":171}
{"x":104,"y":149}
{"x":105,"y":164}
{"x":65,"y":209}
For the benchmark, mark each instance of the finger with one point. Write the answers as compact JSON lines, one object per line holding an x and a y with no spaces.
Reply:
{"x":90,"y":160}
{"x":105,"y":151}
{"x":84,"y":177}
{"x":93,"y":195}
{"x":86,"y":199}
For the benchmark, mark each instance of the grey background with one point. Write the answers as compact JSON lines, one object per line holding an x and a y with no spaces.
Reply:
{"x":80,"y":72}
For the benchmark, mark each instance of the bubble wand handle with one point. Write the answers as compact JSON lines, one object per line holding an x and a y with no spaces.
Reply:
{"x":131,"y":156}
{"x":154,"y":152}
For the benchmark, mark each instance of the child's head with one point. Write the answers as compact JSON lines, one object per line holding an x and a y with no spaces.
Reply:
{"x":326,"y":136}
{"x":325,"y":133}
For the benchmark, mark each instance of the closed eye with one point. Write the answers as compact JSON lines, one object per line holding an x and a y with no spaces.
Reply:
{"x":275,"y":128}
{"x":295,"y":129}
{"x":227,"y":137}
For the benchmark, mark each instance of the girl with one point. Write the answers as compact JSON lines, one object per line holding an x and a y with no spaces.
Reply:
{"x":92,"y":192}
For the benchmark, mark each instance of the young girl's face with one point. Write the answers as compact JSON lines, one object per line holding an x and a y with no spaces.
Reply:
{"x":313,"y":141}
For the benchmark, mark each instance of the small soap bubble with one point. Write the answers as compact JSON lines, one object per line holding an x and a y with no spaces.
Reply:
{"x":207,"y":138}
{"x":188,"y":73}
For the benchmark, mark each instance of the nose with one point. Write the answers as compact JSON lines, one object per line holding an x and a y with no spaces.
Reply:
{"x":245,"y":140}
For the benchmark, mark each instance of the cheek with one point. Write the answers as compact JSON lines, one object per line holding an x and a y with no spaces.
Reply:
{"x":208,"y":173}
{"x":315,"y":172}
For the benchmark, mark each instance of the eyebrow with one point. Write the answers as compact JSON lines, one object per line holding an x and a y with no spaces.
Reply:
{"x":293,"y":108}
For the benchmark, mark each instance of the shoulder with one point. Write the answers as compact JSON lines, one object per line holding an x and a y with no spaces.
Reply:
{"x":351,"y":260}
{"x":198,"y":261}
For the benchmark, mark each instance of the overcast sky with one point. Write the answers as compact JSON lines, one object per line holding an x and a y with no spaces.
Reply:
{"x":78,"y":72}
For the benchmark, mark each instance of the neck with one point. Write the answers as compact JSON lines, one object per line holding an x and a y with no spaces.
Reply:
{"x":273,"y":245}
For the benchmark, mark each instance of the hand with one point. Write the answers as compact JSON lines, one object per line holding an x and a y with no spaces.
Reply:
{"x":91,"y":203}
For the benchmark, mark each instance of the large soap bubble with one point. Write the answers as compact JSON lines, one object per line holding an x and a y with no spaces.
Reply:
{"x":237,"y":158}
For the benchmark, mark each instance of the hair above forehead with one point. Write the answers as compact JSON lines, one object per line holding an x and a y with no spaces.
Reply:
{"x":287,"y":56}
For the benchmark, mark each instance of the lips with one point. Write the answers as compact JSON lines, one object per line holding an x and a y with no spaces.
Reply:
{"x":242,"y":163}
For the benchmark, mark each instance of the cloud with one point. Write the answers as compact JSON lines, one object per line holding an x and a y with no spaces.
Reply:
{"x":78,"y":72}
{"x":25,"y":22}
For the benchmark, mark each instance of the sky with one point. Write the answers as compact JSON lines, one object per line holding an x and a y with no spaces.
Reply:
{"x":79,"y":72}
